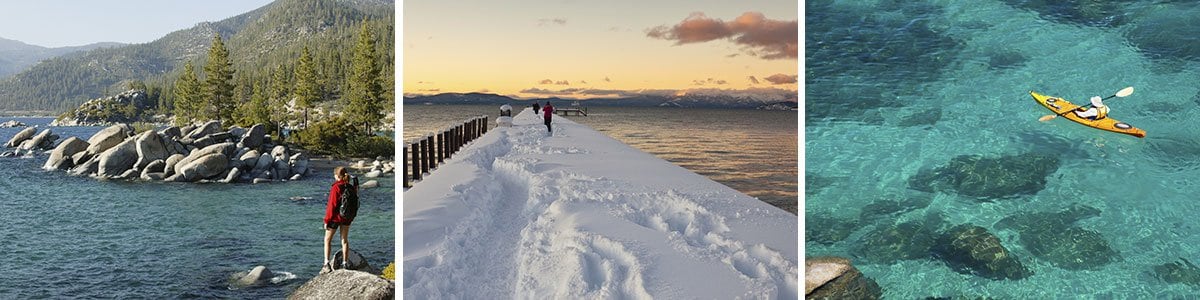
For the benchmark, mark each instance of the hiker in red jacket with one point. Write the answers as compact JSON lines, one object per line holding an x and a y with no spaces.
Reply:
{"x":548,"y":111}
{"x":335,"y":221}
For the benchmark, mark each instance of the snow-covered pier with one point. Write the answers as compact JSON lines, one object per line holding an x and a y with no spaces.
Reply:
{"x":521,"y":213}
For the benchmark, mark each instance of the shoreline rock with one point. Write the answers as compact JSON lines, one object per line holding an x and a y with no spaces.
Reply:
{"x":345,"y":284}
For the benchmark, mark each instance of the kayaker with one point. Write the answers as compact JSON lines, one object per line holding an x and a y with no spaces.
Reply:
{"x":1096,"y":112}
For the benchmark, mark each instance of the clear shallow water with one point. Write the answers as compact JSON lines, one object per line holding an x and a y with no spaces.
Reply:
{"x":904,"y":87}
{"x":751,"y":151}
{"x":75,"y":237}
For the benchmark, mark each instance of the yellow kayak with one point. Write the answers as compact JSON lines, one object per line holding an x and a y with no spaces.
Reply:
{"x":1063,"y":107}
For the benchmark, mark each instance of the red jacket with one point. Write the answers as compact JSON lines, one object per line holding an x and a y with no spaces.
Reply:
{"x":331,"y":214}
{"x":548,"y":110}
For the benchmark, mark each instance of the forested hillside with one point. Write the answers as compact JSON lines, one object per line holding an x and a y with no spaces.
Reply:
{"x":264,"y":46}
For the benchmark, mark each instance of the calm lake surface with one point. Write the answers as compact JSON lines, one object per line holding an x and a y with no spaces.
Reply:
{"x":751,"y":151}
{"x":919,"y":113}
{"x":76,"y":237}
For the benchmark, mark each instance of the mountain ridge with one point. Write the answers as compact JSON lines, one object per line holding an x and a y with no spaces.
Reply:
{"x":259,"y":40}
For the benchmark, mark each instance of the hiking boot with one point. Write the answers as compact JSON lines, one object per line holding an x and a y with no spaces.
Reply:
{"x":345,"y":265}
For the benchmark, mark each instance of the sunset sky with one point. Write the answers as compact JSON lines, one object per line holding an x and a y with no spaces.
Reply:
{"x":586,"y":49}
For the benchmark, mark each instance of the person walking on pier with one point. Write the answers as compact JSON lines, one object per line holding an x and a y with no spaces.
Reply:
{"x":548,"y":111}
{"x":536,"y":108}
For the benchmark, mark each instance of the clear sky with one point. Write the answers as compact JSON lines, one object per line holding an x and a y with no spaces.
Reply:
{"x":579,"y":48}
{"x":57,"y":23}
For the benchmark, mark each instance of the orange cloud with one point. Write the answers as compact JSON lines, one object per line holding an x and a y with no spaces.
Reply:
{"x":766,"y":38}
{"x":781,"y":79}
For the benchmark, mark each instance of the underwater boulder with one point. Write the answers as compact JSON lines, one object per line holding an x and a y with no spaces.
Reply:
{"x":826,"y":230}
{"x":970,"y":249}
{"x":1167,"y":32}
{"x":890,"y":208}
{"x":830,"y":277}
{"x":889,"y":244}
{"x":988,"y":178}
{"x":1182,"y":271}
{"x":1054,"y":237}
{"x":1095,"y":13}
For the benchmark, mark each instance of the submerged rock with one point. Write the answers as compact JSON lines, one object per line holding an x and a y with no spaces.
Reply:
{"x":970,"y":249}
{"x":827,"y":230}
{"x":892,"y":208}
{"x":257,"y":276}
{"x":1182,"y":271}
{"x":988,"y":178}
{"x":346,"y":284}
{"x":1167,"y":32}
{"x":1055,"y":238}
{"x":1088,"y":13}
{"x":905,"y":241}
{"x":836,"y":278}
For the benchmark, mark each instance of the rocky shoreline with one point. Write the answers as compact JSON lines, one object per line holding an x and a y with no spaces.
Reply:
{"x":203,"y":153}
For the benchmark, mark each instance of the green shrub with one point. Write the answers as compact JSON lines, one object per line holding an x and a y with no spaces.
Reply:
{"x":335,"y":136}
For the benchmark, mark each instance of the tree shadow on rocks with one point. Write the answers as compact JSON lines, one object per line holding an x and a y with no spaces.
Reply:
{"x":1095,"y":13}
{"x":970,"y":249}
{"x":987,"y":178}
{"x":1053,"y":236}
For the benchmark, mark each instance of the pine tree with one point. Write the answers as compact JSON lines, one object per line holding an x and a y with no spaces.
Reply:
{"x":218,"y":86}
{"x":258,"y":110}
{"x":187,"y":95}
{"x":363,"y":102}
{"x":278,"y":98}
{"x":307,"y":89}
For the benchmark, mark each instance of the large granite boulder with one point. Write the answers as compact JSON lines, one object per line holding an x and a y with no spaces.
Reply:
{"x":204,"y":130}
{"x":150,"y":147}
{"x":346,"y":284}
{"x":280,"y":170}
{"x":39,"y":141}
{"x":204,"y":167}
{"x":171,"y":162}
{"x":25,"y":134}
{"x":86,"y":168}
{"x":836,"y":278}
{"x":108,"y":138}
{"x":154,"y":167}
{"x":357,"y":262}
{"x":170,"y":133}
{"x":60,"y":158}
{"x":249,"y":159}
{"x":254,"y":137}
{"x":970,"y":249}
{"x":299,"y":162}
{"x":226,"y":149}
{"x":118,"y":159}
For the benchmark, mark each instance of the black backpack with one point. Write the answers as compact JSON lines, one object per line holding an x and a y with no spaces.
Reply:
{"x":348,"y":201}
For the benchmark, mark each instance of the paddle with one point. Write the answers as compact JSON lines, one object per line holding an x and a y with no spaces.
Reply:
{"x":1122,"y":93}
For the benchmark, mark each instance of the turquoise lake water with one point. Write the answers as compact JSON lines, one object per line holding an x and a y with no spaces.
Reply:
{"x":76,"y":237}
{"x":897,"y":87}
{"x":752,"y":151}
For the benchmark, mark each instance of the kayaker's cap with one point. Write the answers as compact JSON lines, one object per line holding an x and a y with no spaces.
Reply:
{"x":1097,"y":102}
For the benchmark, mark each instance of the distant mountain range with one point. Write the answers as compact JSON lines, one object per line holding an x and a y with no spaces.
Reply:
{"x":688,"y":101}
{"x":258,"y":41}
{"x":17,"y":56}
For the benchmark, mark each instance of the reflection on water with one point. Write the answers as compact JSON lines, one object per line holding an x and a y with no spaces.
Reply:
{"x":752,"y":151}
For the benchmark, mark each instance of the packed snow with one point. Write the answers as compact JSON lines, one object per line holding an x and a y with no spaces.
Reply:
{"x":521,"y":213}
